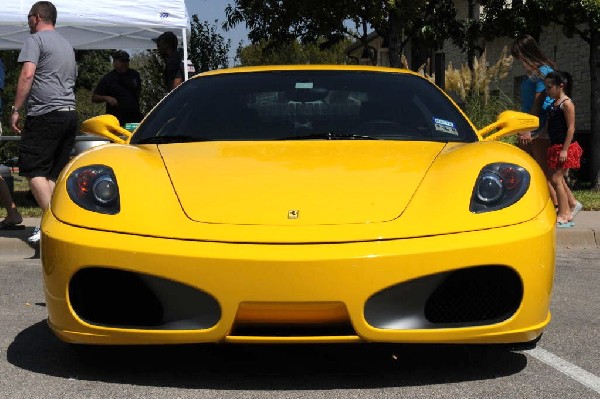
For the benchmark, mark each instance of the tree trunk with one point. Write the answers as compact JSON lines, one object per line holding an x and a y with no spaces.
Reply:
{"x":595,"y":108}
{"x":471,"y":4}
{"x":394,"y":39}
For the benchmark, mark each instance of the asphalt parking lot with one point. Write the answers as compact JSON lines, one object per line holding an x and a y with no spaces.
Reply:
{"x":565,"y":364}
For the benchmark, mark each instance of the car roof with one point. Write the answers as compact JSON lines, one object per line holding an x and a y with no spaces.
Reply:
{"x":309,"y":67}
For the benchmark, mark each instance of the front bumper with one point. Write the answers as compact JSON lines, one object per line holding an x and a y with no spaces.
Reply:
{"x":261,"y":285}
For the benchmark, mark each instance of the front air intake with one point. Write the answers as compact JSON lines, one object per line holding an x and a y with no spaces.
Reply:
{"x":468,"y":297}
{"x":123,"y":299}
{"x":476,"y":295}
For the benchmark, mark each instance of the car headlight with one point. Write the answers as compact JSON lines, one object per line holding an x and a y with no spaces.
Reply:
{"x":499,"y":185}
{"x":94,"y":188}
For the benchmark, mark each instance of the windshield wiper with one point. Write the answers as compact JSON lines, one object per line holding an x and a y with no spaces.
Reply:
{"x":331,"y":136}
{"x":171,"y":139}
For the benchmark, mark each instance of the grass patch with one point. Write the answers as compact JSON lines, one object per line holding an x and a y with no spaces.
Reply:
{"x":589,"y":198}
{"x":23,"y":198}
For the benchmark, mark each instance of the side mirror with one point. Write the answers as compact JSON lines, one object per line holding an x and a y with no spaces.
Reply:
{"x":509,"y":123}
{"x":106,"y":126}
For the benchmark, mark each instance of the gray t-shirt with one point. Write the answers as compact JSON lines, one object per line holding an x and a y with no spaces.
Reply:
{"x":56,"y":71}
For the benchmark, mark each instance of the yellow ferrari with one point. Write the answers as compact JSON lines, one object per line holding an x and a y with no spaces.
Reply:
{"x":300,"y":204}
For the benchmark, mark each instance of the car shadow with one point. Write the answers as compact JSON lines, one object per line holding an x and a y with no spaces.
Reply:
{"x":262,"y":367}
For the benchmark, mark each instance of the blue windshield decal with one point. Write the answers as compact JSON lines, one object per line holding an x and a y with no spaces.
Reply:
{"x":442,"y":125}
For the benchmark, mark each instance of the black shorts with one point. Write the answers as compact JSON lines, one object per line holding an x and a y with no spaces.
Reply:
{"x":46,"y":144}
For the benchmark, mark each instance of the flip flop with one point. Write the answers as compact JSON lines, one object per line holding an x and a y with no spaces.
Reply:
{"x":11,"y":226}
{"x":564,"y":225}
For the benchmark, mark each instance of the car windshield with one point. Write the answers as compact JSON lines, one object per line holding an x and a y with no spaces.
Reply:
{"x":305,"y":105}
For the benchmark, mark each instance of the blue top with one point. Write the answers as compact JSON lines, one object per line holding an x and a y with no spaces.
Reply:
{"x":530,"y":87}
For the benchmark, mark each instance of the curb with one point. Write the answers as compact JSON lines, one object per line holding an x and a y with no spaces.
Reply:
{"x":585,"y":235}
{"x":578,"y":239}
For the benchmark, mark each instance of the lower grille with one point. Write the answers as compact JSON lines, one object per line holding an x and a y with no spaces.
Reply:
{"x":292,"y":319}
{"x":479,"y":294}
{"x":294,"y":330}
{"x":462,"y":298}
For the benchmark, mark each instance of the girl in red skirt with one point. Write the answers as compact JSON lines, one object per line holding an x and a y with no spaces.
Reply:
{"x":564,"y":153}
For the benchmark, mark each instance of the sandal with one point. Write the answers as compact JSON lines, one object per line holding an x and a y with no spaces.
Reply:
{"x":578,"y":207}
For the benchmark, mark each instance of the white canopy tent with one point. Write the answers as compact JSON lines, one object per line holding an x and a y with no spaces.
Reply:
{"x":101,"y":24}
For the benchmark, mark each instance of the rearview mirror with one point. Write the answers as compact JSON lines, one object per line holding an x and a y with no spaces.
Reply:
{"x":306,"y":95}
{"x":509,"y":123}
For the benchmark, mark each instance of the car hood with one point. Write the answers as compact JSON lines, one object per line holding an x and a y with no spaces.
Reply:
{"x":297,"y":183}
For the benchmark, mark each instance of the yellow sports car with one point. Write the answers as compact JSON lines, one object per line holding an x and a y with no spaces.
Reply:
{"x":301,"y":204}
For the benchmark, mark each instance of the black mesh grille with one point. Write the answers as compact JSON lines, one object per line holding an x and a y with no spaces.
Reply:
{"x":480,"y":294}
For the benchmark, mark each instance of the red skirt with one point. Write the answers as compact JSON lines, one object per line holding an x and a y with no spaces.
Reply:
{"x":573,"y":156}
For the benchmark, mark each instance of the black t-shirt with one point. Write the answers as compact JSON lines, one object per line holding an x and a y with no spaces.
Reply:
{"x":173,"y":69}
{"x":126,"y":88}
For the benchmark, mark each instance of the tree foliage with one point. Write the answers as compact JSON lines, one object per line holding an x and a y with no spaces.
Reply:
{"x":91,"y":66}
{"x":150,"y":67}
{"x":292,"y":53}
{"x":310,"y":21}
{"x":521,"y":17}
{"x":208,"y":49}
{"x":581,"y":18}
{"x":12,"y":70}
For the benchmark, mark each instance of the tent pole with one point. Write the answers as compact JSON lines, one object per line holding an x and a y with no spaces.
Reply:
{"x":185,"y":53}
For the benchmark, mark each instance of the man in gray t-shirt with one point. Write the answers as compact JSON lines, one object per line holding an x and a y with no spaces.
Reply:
{"x":56,"y":71}
{"x":46,"y":90}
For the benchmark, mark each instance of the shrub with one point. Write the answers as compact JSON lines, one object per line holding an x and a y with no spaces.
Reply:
{"x":475,"y":88}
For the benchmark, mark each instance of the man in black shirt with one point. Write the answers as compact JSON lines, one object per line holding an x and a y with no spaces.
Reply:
{"x":120,"y":89}
{"x":166,"y":44}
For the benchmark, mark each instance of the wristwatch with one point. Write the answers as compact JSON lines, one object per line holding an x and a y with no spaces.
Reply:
{"x":14,"y":109}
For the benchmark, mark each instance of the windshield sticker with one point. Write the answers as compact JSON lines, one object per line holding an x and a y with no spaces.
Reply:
{"x":304,"y":85}
{"x":445,"y":126}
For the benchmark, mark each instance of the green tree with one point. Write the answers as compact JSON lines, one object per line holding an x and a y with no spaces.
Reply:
{"x":521,"y":17}
{"x":91,"y":66}
{"x":310,"y":21}
{"x":8,"y":149}
{"x":208,"y":49}
{"x":12,"y":70}
{"x":291,"y":53}
{"x":150,"y":66}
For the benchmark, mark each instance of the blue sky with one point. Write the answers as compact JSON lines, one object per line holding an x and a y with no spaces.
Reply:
{"x":209,"y":10}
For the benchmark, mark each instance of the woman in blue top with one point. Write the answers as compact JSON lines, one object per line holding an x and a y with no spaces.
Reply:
{"x":535,"y":101}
